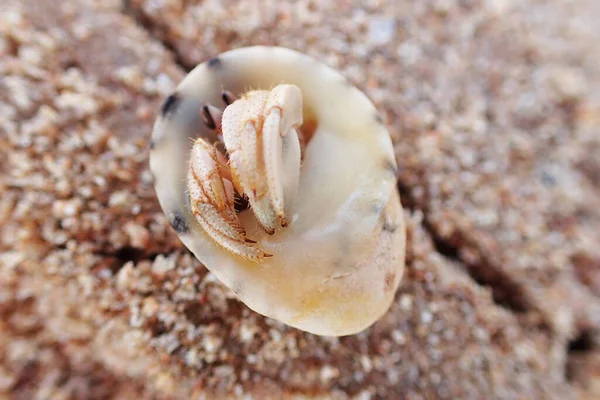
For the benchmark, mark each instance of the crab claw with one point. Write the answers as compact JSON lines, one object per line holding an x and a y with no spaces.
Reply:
{"x":212,"y":201}
{"x":259,"y":131}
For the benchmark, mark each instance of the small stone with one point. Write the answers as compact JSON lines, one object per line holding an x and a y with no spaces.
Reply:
{"x":139,"y":236}
{"x":329,"y":373}
{"x":381,"y":30}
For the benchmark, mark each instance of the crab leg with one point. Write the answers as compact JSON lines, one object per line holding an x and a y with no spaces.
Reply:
{"x":212,"y":202}
{"x":283,"y":111}
{"x":256,"y":129}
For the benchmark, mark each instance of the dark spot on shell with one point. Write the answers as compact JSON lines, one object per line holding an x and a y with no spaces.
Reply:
{"x":390,"y":277}
{"x":179,"y":223}
{"x":388,"y":225}
{"x":390,"y":165}
{"x":170,"y":105}
{"x":152,"y":144}
{"x":214,"y":62}
{"x":378,"y":119}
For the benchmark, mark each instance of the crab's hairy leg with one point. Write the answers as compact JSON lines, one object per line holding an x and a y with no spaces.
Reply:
{"x":250,"y":178}
{"x":251,"y":120}
{"x":253,"y":181}
{"x":218,"y":222}
{"x":272,"y":143}
{"x":229,"y":191}
{"x":255,"y":131}
{"x":264,"y":214}
{"x":223,"y":219}
{"x":283,"y":113}
{"x":288,"y":98}
{"x":233,"y":142}
{"x":242,"y":126}
{"x":212,"y":202}
{"x":223,"y":165}
{"x":204,"y":169}
{"x":207,"y":216}
{"x":229,"y":213}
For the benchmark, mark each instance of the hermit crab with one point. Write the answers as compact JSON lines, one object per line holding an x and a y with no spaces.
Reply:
{"x":280,"y":176}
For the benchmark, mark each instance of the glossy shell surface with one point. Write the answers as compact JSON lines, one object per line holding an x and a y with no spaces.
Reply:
{"x":336,"y":267}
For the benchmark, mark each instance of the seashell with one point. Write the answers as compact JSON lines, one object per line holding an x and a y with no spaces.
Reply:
{"x":279,"y":175}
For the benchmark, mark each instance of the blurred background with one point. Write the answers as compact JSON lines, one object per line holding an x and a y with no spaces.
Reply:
{"x":494,"y":110}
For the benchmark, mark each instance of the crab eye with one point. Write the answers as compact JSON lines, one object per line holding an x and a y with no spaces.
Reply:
{"x":286,"y":192}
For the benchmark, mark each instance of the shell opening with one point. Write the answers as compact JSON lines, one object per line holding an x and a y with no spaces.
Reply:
{"x":254,"y":164}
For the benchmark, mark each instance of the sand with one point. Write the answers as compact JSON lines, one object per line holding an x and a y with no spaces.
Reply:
{"x":494,"y":109}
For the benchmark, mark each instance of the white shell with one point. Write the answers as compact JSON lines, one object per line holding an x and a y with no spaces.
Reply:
{"x":336,"y":267}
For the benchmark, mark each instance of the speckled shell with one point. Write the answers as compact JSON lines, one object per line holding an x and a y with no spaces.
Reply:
{"x":336,"y":268}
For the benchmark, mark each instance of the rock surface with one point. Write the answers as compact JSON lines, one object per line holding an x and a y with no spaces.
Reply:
{"x":494,"y":107}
